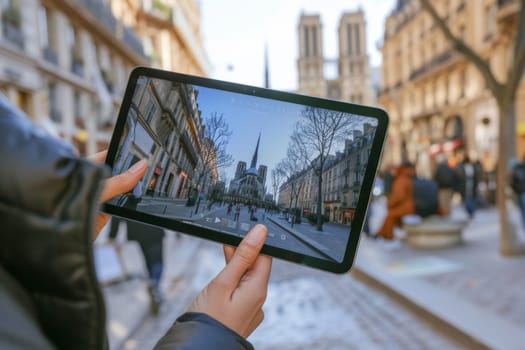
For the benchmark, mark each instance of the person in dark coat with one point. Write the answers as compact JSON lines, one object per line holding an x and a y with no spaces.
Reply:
{"x":469,"y":177}
{"x":447,"y":180}
{"x":150,"y":240}
{"x":49,"y":294}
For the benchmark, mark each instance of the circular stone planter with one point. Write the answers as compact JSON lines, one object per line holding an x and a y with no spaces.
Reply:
{"x":434,"y":233}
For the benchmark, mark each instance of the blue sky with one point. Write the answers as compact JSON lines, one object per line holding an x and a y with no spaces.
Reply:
{"x":236,"y":31}
{"x":247,"y":116}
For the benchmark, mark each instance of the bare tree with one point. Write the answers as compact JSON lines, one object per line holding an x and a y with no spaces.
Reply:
{"x":277,"y":180}
{"x":315,"y":136}
{"x":504,"y":92}
{"x":290,"y":169}
{"x":214,"y":148}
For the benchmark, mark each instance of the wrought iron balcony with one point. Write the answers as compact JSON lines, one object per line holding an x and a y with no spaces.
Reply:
{"x":438,"y":60}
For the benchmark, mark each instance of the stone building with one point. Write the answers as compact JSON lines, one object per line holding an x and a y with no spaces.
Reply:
{"x":66,"y":63}
{"x":436,"y":99}
{"x":346,"y":77}
{"x":343,"y":175}
{"x":165,"y":127}
{"x":170,"y":31}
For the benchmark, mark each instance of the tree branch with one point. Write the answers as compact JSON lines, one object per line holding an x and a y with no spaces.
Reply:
{"x":482,"y":65}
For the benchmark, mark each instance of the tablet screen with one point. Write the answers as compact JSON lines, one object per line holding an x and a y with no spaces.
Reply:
{"x":225,"y":160}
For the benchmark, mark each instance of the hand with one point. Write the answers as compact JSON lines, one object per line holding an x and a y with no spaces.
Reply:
{"x":236,"y":295}
{"x":116,"y":185}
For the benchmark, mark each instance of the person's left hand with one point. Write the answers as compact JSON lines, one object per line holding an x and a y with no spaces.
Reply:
{"x":116,"y":185}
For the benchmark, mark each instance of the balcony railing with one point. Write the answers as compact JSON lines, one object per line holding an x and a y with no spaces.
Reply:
{"x":438,"y":60}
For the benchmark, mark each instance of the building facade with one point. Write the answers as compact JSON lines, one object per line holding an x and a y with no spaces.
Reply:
{"x":165,"y":127}
{"x":66,"y":63}
{"x":342,"y":178}
{"x":346,"y":77}
{"x":436,"y":99}
{"x":170,"y":31}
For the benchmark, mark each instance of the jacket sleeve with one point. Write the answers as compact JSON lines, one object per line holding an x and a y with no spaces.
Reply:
{"x":193,"y":331}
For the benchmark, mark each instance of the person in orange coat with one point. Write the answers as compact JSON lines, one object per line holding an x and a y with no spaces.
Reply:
{"x":401,"y":200}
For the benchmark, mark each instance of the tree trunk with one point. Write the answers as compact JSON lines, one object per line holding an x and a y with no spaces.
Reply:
{"x":320,"y":202}
{"x":509,"y":241}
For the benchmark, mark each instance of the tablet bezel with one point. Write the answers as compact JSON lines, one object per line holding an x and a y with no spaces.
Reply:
{"x":202,"y":232}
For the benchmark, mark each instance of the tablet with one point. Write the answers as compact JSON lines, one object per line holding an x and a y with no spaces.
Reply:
{"x":224,"y":157}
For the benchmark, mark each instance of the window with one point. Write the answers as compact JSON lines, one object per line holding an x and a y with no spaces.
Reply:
{"x":43,"y":27}
{"x":77,"y":106}
{"x":54,"y":113}
{"x":71,"y":36}
{"x":357,"y":40}
{"x":314,"y":39}
{"x":306,"y":42}
{"x":490,"y":18}
{"x":349,"y":39}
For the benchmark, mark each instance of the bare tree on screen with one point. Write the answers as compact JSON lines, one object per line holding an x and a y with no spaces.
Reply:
{"x":315,"y":135}
{"x":214,"y":154}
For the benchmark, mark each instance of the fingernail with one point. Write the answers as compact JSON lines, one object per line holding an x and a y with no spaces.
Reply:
{"x":256,"y":236}
{"x":138,"y":166}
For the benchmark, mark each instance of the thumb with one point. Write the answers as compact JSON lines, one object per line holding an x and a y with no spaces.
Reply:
{"x":124,"y":182}
{"x":244,"y":256}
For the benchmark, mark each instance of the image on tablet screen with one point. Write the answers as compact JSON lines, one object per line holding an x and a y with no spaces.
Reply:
{"x":227,"y":161}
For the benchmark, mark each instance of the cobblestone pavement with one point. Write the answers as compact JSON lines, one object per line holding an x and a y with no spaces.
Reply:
{"x":305,"y":309}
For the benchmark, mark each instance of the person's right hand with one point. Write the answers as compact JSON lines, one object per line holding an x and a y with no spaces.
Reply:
{"x":236,"y":295}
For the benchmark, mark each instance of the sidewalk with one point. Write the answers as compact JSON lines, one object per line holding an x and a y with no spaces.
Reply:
{"x":470,"y":288}
{"x":127,"y":301}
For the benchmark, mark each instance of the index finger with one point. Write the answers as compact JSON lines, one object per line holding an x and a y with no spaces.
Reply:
{"x":244,"y":256}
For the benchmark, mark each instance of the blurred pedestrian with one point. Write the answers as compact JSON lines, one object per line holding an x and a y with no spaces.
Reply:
{"x":469,"y":176}
{"x":401,"y":200}
{"x":518,"y":185}
{"x":150,"y":240}
{"x":237,"y":212}
{"x":447,"y":180}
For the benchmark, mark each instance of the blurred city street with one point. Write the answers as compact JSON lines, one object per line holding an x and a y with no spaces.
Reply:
{"x":396,"y":297}
{"x":418,"y":92}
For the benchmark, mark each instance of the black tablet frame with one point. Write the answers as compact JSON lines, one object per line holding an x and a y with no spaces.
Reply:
{"x":202,"y":232}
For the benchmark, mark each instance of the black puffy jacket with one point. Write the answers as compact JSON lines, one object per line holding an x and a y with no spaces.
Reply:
{"x":49,"y":294}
